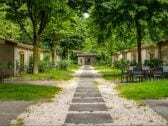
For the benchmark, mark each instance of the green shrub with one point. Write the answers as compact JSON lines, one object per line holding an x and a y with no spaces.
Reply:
{"x":121,"y":64}
{"x":63,"y":65}
{"x":133,"y":63}
{"x":153,"y":63}
{"x":45,"y":64}
{"x":10,"y":65}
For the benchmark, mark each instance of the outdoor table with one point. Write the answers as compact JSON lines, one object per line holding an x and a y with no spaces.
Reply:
{"x":147,"y":71}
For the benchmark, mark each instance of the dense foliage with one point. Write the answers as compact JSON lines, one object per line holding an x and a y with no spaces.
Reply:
{"x":61,"y":27}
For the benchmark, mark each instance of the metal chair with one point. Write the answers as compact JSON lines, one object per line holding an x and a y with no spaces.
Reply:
{"x":1,"y":78}
{"x":158,"y":73}
{"x":138,"y":73}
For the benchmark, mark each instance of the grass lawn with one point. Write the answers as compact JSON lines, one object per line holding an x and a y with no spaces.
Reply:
{"x":144,"y":90}
{"x":27,"y":92}
{"x":109,"y":73}
{"x":74,"y":67}
{"x":51,"y":74}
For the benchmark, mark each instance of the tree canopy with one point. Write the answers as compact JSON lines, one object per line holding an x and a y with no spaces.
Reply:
{"x":59,"y":25}
{"x":130,"y":20}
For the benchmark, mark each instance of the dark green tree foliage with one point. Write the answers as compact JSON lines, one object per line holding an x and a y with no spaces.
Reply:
{"x":35,"y":13}
{"x":129,"y":16}
{"x":74,"y":42}
{"x":80,"y":5}
{"x":59,"y":33}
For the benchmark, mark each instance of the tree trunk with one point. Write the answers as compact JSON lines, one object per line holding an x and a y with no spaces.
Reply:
{"x":139,"y":38}
{"x":35,"y":54}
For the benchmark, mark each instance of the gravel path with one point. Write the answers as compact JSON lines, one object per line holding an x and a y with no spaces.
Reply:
{"x":122,"y":111}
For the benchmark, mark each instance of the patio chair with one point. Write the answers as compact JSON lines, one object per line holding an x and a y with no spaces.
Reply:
{"x":138,"y":73}
{"x":1,"y":78}
{"x":158,"y":73}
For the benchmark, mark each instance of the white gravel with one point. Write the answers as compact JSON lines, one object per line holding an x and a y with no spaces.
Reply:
{"x":127,"y":112}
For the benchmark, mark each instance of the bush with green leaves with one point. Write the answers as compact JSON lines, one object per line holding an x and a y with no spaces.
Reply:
{"x":133,"y":63}
{"x":10,"y":65}
{"x":116,"y":64}
{"x":63,"y":65}
{"x":45,"y":64}
{"x":153,"y":63}
{"x":121,"y":64}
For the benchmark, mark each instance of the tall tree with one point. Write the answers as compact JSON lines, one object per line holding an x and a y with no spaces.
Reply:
{"x":37,"y":14}
{"x":63,"y":25}
{"x":126,"y":14}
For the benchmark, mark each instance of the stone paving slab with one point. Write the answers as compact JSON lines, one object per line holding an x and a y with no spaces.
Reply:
{"x":11,"y":109}
{"x":87,"y":92}
{"x":160,"y":106}
{"x":87,"y":100}
{"x":87,"y":88}
{"x":86,"y":118}
{"x":80,"y":82}
{"x":86,"y":76}
{"x":88,"y":107}
{"x":88,"y":95}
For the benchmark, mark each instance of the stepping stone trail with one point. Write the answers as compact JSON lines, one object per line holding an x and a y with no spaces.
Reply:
{"x":87,"y":105}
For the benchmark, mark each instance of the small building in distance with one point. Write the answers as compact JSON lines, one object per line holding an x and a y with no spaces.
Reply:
{"x":16,"y":57}
{"x":86,"y":58}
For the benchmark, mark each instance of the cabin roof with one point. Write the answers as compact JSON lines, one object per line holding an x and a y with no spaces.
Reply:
{"x":18,"y":44}
{"x":86,"y":54}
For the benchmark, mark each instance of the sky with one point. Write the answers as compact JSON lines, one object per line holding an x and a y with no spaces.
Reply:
{"x":86,"y":15}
